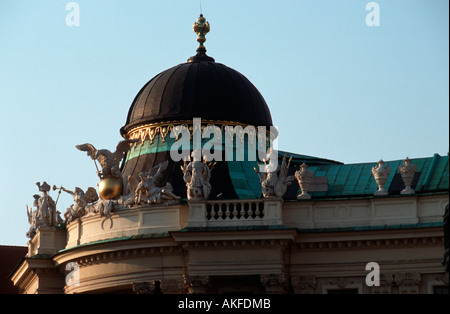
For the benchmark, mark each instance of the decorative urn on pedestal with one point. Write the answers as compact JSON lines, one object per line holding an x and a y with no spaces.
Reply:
{"x":381,"y":173}
{"x":407,"y":170}
{"x":304,"y":177}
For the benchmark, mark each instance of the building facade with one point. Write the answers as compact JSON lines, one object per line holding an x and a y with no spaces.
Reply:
{"x":169,"y":217}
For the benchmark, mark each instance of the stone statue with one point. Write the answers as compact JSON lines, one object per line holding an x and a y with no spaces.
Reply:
{"x":110,"y":162}
{"x":149,"y":189}
{"x":81,"y":199}
{"x":275,"y":183}
{"x":32,"y":217}
{"x":45,"y":214}
{"x":46,"y":206}
{"x":111,"y":181}
{"x":196,"y":175}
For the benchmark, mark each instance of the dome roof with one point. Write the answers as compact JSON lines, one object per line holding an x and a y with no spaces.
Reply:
{"x":202,"y":89}
{"x":199,"y":88}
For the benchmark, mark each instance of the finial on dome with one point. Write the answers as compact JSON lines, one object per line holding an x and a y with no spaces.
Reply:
{"x":201,"y":28}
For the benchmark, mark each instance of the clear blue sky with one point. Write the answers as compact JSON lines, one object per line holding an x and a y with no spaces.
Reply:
{"x":336,"y":87}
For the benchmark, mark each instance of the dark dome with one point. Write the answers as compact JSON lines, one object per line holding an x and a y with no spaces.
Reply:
{"x":199,"y":89}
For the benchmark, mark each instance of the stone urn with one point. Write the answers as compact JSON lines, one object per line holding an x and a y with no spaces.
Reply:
{"x":407,"y":170}
{"x":381,"y":173}
{"x":304,"y":177}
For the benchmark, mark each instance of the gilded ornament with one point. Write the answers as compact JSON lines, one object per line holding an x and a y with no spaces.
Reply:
{"x":110,"y":188}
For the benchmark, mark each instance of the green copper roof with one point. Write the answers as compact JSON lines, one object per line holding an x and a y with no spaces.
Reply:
{"x":357,"y":180}
{"x":344,"y":180}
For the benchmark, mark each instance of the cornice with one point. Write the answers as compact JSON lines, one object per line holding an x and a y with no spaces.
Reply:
{"x":109,"y":253}
{"x":374,"y":243}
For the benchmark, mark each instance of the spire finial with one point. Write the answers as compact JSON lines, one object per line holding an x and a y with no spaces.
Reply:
{"x":201,"y":28}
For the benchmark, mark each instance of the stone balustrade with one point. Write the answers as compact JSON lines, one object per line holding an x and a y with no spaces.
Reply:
{"x":224,"y":213}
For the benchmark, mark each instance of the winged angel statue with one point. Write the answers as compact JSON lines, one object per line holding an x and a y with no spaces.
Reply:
{"x":81,"y":202}
{"x":110,"y":162}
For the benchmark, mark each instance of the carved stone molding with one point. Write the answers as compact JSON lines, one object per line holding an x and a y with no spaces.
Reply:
{"x":172,"y":286}
{"x":341,"y":282}
{"x":303,"y":285}
{"x":108,"y":256}
{"x":398,"y":283}
{"x":407,"y":283}
{"x":369,"y":243}
{"x":275,"y":283}
{"x":147,"y":288}
{"x":442,"y":278}
{"x":236,"y":243}
{"x":164,"y":286}
{"x":384,"y":288}
{"x":195,"y":284}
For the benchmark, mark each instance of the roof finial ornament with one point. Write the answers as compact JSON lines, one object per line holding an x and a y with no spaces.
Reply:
{"x":201,"y":28}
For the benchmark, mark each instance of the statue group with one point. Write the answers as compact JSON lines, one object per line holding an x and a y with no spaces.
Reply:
{"x":150,"y":187}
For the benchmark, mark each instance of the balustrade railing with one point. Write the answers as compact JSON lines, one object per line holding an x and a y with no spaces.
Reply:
{"x":223,"y":213}
{"x":237,"y":210}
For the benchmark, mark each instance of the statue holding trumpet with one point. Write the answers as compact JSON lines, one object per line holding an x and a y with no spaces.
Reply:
{"x":81,"y":199}
{"x":45,"y":214}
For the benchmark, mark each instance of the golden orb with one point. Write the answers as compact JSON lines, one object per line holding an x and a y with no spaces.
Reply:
{"x":110,"y":188}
